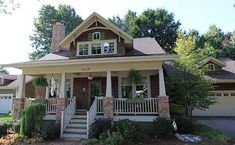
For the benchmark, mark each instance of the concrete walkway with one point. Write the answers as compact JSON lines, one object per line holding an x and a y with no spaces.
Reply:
{"x":226,"y":124}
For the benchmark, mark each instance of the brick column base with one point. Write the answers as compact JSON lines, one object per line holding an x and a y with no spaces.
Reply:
{"x":18,"y":105}
{"x":108,"y":107}
{"x":163,"y":107}
{"x":61,"y":105}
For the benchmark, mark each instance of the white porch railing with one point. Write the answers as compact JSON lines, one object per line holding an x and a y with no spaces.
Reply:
{"x":148,"y":106}
{"x":51,"y":107}
{"x":100,"y":108}
{"x":91,"y":114}
{"x":67,"y":115}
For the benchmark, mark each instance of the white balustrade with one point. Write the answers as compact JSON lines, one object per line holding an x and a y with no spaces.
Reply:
{"x":148,"y":106}
{"x":51,"y":107}
{"x":100,"y":108}
{"x":91,"y":114}
{"x":67,"y":115}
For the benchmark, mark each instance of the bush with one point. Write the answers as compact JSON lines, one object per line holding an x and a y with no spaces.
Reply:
{"x":16,"y":127}
{"x":129,"y":130}
{"x":3,"y":129}
{"x":115,"y":138}
{"x":100,"y":126}
{"x":213,"y":134}
{"x":92,"y":141}
{"x":50,"y":130}
{"x":185,"y":125}
{"x":163,"y":127}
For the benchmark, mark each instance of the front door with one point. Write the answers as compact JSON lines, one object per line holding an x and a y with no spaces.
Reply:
{"x":95,"y":89}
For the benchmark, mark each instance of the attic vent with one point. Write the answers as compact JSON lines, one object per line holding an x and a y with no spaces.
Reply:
{"x":210,"y":67}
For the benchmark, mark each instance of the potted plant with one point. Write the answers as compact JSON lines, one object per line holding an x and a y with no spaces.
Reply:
{"x":40,"y":83}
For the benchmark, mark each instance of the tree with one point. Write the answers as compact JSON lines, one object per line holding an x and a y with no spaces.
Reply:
{"x":7,"y":6}
{"x":190,"y":89}
{"x":3,"y":71}
{"x":159,"y":24}
{"x":127,"y":23}
{"x":229,"y":46}
{"x":48,"y":15}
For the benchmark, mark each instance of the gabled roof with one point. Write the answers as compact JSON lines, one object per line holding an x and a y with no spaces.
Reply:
{"x":214,"y":60}
{"x":89,"y":21}
{"x":15,"y":81}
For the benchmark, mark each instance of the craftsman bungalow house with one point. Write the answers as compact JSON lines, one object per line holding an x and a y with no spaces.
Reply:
{"x":90,"y":67}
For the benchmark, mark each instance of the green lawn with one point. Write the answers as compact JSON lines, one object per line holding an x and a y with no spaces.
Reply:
{"x":6,"y":118}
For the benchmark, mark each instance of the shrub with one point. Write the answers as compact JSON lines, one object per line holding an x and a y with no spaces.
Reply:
{"x":16,"y":127}
{"x":211,"y":133}
{"x":185,"y":125}
{"x":100,"y":126}
{"x":50,"y":130}
{"x":32,"y":119}
{"x":115,"y":138}
{"x":3,"y":129}
{"x":163,"y":127}
{"x":92,"y":141}
{"x":129,"y":130}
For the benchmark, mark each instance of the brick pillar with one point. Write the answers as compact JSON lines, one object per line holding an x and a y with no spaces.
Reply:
{"x":163,"y":107}
{"x":61,"y":105}
{"x":18,"y":105}
{"x":108,"y":107}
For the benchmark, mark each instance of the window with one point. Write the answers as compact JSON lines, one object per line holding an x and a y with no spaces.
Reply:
{"x":225,"y":94}
{"x":96,"y":36}
{"x":218,"y":94}
{"x":127,"y":89}
{"x":108,"y":47}
{"x":68,"y":88}
{"x":96,"y":48}
{"x":83,"y":49}
{"x":233,"y":94}
{"x":211,"y":67}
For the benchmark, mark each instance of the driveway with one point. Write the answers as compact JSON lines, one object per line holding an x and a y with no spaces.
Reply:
{"x":225,"y":123}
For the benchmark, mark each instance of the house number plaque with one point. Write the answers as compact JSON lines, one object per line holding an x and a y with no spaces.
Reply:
{"x":86,"y":69}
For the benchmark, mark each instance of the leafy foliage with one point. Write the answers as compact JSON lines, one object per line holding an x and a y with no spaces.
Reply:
{"x":48,"y":15}
{"x":185,"y":125}
{"x":40,"y":82}
{"x":100,"y":126}
{"x":163,"y":127}
{"x":8,"y":6}
{"x":115,"y":138}
{"x":16,"y":127}
{"x":213,"y":134}
{"x":129,"y":130}
{"x":3,"y":129}
{"x":32,"y":119}
{"x":92,"y":141}
{"x":134,"y":76}
{"x":3,"y":71}
{"x":158,"y":24}
{"x":50,"y":130}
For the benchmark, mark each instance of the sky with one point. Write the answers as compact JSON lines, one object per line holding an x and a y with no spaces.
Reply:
{"x":193,"y":14}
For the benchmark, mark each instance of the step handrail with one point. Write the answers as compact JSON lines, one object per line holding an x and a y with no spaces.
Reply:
{"x":91,"y":114}
{"x":67,"y":115}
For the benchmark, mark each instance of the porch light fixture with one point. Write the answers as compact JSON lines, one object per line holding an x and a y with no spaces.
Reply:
{"x":90,"y":77}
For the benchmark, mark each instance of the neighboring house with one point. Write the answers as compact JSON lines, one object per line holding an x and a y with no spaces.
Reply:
{"x":222,"y":72}
{"x":89,"y":67}
{"x":8,"y":88}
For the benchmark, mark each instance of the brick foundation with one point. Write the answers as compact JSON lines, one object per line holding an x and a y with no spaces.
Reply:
{"x":18,"y":105}
{"x":108,"y":107}
{"x":163,"y":107}
{"x":61,"y":105}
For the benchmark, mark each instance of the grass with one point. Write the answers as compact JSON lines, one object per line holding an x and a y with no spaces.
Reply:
{"x":6,"y":118}
{"x":212,"y":134}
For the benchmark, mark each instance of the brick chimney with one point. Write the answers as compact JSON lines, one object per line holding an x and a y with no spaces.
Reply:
{"x":58,"y":34}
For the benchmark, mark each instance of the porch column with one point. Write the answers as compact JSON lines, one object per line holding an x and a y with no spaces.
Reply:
{"x":108,"y":99}
{"x":62,"y":100}
{"x":163,"y":99}
{"x":18,"y":102}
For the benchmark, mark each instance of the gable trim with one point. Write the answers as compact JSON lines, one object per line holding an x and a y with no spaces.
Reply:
{"x":94,"y":17}
{"x":213,"y":60}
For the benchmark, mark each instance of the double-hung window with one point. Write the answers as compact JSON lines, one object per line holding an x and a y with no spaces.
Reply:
{"x":96,"y":48}
{"x":83,"y":49}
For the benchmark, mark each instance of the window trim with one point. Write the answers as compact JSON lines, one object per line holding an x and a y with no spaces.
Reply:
{"x":93,"y":35}
{"x":102,"y":47}
{"x":213,"y":67}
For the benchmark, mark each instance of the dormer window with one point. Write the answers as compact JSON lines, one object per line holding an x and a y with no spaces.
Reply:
{"x":96,"y":36}
{"x":210,"y":67}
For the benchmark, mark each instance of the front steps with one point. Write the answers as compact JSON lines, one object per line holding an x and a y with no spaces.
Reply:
{"x":77,"y":127}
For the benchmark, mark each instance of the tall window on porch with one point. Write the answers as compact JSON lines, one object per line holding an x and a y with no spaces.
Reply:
{"x":128,"y":89}
{"x":68,"y":88}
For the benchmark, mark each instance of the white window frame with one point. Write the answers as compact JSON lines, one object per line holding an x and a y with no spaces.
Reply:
{"x":213,"y":67}
{"x":93,"y":36}
{"x":120,"y":85}
{"x":102,"y":47}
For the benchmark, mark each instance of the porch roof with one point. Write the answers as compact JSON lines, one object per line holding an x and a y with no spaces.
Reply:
{"x":118,"y":59}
